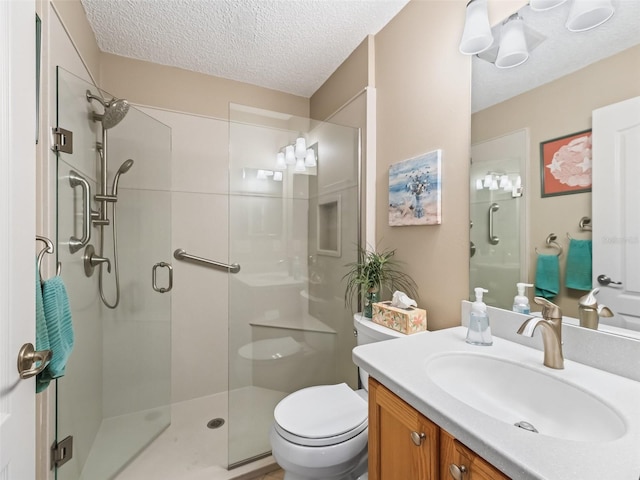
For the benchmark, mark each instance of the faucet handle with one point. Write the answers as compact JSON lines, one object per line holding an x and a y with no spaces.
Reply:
{"x":549,"y":310}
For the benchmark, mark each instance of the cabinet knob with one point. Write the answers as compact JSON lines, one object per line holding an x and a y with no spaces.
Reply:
{"x":417,"y":438}
{"x":457,"y":471}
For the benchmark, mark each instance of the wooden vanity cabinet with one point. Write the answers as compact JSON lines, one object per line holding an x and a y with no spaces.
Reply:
{"x":404,"y":444}
{"x":457,"y":462}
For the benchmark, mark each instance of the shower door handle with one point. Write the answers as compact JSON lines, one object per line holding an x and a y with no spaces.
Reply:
{"x":77,"y":180}
{"x":154,"y":275}
{"x":493,"y":239}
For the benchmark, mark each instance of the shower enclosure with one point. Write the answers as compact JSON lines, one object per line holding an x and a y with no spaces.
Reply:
{"x":115,"y":395}
{"x":498,"y":220}
{"x":292,"y":230}
{"x":293,"y":227}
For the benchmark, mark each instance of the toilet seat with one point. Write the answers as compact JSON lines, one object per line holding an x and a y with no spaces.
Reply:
{"x":321,"y":416}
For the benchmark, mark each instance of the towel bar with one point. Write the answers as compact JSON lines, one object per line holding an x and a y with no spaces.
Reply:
{"x":47,"y":249}
{"x":551,"y":242}
{"x":180,"y":254}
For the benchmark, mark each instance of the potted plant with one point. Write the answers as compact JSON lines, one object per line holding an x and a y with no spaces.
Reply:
{"x":372,"y":273}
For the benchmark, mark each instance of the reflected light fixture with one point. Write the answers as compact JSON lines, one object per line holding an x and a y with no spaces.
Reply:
{"x":542,"y":5}
{"x":296,"y":155}
{"x":476,"y":36}
{"x":513,"y":45}
{"x":588,"y":14}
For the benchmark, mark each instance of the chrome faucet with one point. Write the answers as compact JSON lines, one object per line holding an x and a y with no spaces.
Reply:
{"x":589,"y":312}
{"x":551,"y":327}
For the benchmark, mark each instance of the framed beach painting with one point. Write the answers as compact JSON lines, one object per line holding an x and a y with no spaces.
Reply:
{"x":565,"y":164}
{"x":415,"y":191}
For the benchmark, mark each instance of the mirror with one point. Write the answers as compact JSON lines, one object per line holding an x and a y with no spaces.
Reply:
{"x":552,"y":95}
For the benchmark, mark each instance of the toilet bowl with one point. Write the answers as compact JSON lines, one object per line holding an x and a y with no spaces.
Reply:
{"x":321,"y":432}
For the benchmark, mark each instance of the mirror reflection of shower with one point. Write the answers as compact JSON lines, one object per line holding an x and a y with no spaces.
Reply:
{"x":114,"y":112}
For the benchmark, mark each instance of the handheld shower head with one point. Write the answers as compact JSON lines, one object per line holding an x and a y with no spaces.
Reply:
{"x":114,"y":110}
{"x":124,"y":168}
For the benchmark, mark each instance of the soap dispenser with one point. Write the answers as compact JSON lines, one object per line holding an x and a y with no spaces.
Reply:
{"x":520,"y":301}
{"x":479,"y":332}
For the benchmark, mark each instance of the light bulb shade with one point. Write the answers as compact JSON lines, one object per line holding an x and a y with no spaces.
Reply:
{"x":476,"y":36}
{"x":513,"y":46}
{"x":542,"y":5}
{"x":277,"y":176}
{"x":280,"y":162}
{"x":479,"y":185}
{"x":301,"y":147}
{"x":300,"y":165}
{"x":289,"y":156}
{"x":588,"y":14}
{"x":503,"y":181}
{"x":494,"y":185}
{"x":487,"y":180}
{"x":310,"y":158}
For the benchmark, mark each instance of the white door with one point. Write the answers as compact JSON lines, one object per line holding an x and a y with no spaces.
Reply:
{"x":616,"y":210}
{"x":17,"y":235}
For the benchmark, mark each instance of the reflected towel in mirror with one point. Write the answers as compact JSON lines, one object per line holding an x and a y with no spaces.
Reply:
{"x":579,"y":264}
{"x":547,"y":276}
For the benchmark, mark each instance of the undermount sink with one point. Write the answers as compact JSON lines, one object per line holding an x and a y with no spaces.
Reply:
{"x":525,"y":397}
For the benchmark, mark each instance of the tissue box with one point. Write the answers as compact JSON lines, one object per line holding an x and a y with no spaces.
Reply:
{"x":406,"y":320}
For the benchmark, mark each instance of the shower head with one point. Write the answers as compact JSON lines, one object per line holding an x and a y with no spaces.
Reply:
{"x":114,"y":110}
{"x":124,"y":168}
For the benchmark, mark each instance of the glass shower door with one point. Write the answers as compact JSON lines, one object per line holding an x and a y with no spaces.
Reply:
{"x":114,"y":398}
{"x":292,"y":229}
{"x":497,"y":218}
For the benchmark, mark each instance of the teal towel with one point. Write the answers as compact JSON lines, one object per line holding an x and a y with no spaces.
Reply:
{"x":547,"y":276}
{"x":57,"y":314}
{"x":42,"y":334}
{"x":579,"y":264}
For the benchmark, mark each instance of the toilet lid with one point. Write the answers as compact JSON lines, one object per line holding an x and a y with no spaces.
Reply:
{"x":322,"y":412}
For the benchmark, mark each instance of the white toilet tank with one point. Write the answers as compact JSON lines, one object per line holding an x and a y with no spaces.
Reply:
{"x":367,"y":331}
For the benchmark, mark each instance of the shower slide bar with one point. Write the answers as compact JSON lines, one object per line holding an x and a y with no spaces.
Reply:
{"x":180,"y":254}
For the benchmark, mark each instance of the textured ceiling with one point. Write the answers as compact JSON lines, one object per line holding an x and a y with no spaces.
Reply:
{"x":561,"y":53}
{"x":287,"y":45}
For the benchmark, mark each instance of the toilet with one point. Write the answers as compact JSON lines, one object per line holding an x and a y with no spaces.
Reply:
{"x":321,"y":432}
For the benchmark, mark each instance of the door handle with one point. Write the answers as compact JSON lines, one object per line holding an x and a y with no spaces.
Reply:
{"x":154,"y":277}
{"x":605,"y":280}
{"x":457,"y":472}
{"x":493,"y":239}
{"x":28,"y":356}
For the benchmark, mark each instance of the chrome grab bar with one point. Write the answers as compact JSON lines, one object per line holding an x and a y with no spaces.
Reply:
{"x":180,"y":254}
{"x":493,"y":239}
{"x":77,"y":180}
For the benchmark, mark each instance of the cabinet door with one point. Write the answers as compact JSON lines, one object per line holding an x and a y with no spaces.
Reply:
{"x":403,"y":444}
{"x":457,"y":462}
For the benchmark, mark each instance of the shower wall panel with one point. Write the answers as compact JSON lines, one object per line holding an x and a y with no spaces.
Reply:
{"x":200,"y":225}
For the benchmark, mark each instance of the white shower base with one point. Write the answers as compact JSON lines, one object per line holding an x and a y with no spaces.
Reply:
{"x":188,"y":450}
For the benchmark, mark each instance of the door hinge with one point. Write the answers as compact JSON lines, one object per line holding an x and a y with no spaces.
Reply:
{"x":62,"y":140}
{"x":61,"y":452}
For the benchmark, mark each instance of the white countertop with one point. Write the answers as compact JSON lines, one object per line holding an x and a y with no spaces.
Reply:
{"x":400,"y":365}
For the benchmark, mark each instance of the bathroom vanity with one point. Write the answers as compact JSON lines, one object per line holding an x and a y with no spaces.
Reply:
{"x":403,"y":444}
{"x":440,"y":408}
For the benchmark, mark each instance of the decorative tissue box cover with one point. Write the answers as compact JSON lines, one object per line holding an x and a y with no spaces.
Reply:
{"x":406,"y":320}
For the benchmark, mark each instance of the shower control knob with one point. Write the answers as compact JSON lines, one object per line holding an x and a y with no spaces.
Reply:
{"x":91,"y":260}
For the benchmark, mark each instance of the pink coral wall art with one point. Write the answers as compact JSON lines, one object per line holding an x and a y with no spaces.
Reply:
{"x":566,"y":164}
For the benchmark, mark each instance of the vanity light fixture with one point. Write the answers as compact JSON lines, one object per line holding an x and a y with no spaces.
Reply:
{"x":513,"y":49}
{"x":476,"y":36}
{"x":297,"y":155}
{"x":588,"y":14}
{"x":542,"y":5}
